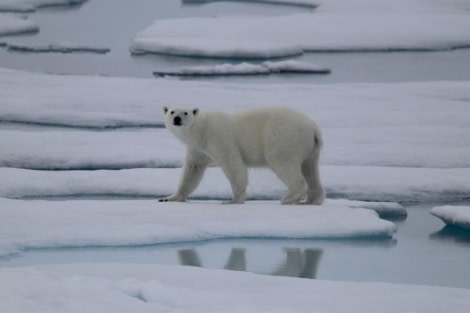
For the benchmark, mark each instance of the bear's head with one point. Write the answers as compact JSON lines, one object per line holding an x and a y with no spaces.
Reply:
{"x":179,"y":118}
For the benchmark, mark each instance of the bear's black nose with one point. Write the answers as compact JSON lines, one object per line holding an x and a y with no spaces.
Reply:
{"x":177,"y":121}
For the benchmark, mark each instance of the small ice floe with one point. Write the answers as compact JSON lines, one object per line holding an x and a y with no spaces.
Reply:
{"x":79,"y":223}
{"x":296,"y":3}
{"x":453,"y":215}
{"x":188,"y":46}
{"x":328,"y":30}
{"x":63,"y":47}
{"x":32,"y":5}
{"x":12,"y":25}
{"x":265,"y":68}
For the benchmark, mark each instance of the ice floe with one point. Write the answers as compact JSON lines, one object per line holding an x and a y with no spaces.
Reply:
{"x":421,"y":109}
{"x":330,"y":28}
{"x":32,"y":5}
{"x":157,"y":288}
{"x":59,"y":149}
{"x":220,"y":48}
{"x":38,"y":224}
{"x":453,"y":215}
{"x":298,"y":3}
{"x":352,"y":182}
{"x":88,"y":150}
{"x":12,"y":25}
{"x":265,"y":68}
{"x":62,"y":47}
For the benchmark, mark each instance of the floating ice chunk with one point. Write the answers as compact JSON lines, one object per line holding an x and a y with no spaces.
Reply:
{"x":63,"y":47}
{"x":32,"y":5}
{"x":218,"y":70}
{"x":36,"y":224}
{"x":453,"y":215}
{"x":213,"y":48}
{"x":244,"y":68}
{"x":268,"y":37}
{"x":298,"y":3}
{"x":11,"y":25}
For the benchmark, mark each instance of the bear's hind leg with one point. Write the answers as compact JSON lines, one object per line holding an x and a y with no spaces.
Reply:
{"x":290,"y":174}
{"x":311,"y":172}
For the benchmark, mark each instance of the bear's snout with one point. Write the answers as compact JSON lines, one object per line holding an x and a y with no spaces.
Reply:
{"x":177,"y":121}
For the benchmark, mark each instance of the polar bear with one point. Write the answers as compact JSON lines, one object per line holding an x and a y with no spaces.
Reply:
{"x":280,"y":138}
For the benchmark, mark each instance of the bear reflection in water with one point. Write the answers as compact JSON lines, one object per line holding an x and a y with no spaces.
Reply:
{"x":298,"y":262}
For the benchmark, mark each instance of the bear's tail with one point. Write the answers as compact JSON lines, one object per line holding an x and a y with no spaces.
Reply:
{"x":318,"y":138}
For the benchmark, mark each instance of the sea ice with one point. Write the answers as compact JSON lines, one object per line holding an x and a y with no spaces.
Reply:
{"x":220,"y":48}
{"x":352,"y":182}
{"x":407,"y":110}
{"x":39,"y":224}
{"x":62,"y":47}
{"x":59,"y":149}
{"x":11,"y":25}
{"x":453,"y":215}
{"x":152,"y":288}
{"x":265,"y":68}
{"x":379,"y":26}
{"x":298,"y":3}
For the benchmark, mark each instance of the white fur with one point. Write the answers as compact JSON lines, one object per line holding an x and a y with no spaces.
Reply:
{"x":280,"y":138}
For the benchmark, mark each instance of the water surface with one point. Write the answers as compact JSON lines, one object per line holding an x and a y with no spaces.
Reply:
{"x":423,"y":251}
{"x":114,"y":23}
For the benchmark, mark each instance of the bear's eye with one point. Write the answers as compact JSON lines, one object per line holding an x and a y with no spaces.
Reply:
{"x":172,"y":112}
{"x":185,"y":113}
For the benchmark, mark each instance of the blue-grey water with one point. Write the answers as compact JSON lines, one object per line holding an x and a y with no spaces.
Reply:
{"x":423,"y":250}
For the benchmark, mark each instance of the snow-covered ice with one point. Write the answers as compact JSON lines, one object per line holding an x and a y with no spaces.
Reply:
{"x":60,"y":149}
{"x":417,"y":110}
{"x":352,"y":182}
{"x":12,"y":25}
{"x":61,"y":47}
{"x":265,"y":68}
{"x":39,"y":224}
{"x":78,"y":149}
{"x":32,"y":5}
{"x":383,"y":142}
{"x":369,"y":26}
{"x":192,"y":46}
{"x":453,"y":215}
{"x":157,"y":288}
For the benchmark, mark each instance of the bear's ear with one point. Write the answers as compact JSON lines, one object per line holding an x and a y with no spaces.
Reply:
{"x":195,"y":112}
{"x":165,"y":109}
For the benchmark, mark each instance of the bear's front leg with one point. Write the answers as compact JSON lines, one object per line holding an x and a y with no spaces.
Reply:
{"x":237,"y":174}
{"x":193,"y":170}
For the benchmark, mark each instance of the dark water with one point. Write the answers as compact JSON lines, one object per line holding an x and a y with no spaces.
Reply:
{"x":422,"y":252}
{"x":114,"y":23}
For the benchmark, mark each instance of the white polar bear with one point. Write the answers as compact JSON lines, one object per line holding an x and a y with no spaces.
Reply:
{"x":280,"y":138}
